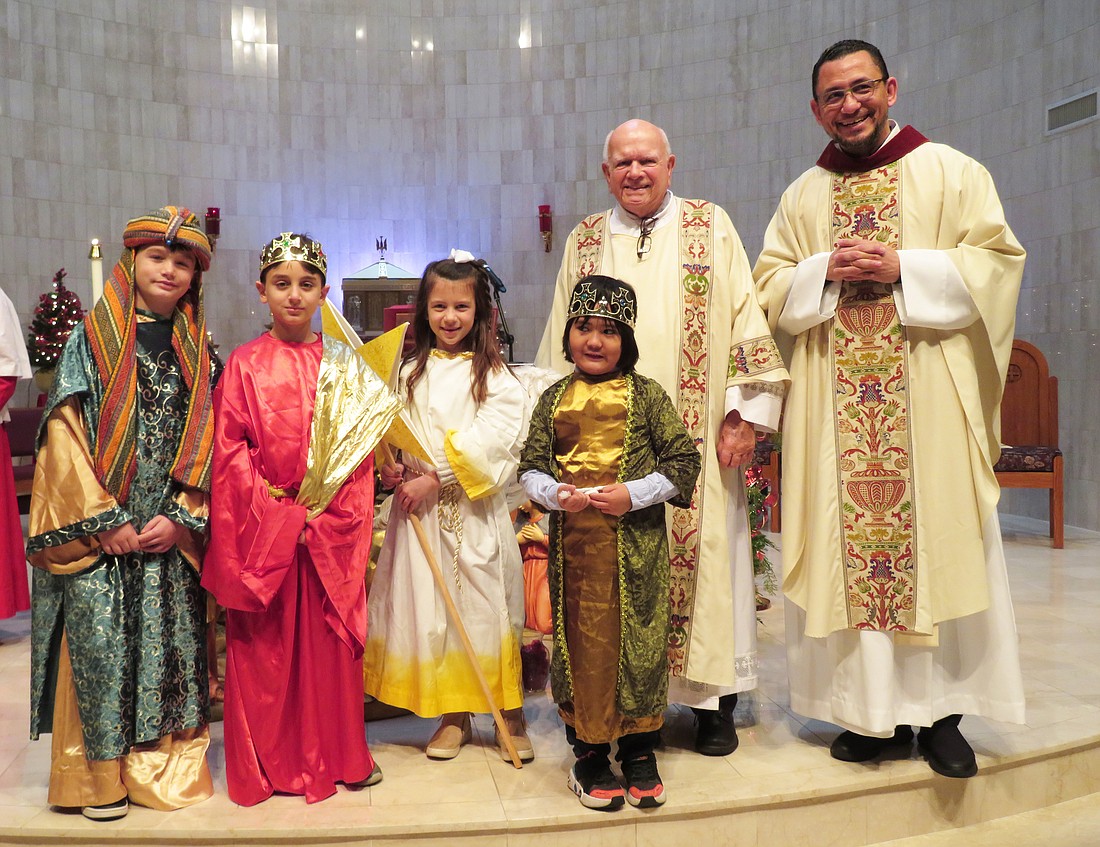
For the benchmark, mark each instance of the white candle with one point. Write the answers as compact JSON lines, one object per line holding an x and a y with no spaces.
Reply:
{"x":97,"y":271}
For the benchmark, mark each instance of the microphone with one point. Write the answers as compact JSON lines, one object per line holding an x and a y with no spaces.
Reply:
{"x":494,"y":280}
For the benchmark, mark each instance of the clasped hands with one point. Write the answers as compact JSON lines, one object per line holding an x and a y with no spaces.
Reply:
{"x":157,"y":536}
{"x":863,"y":261}
{"x":611,"y":499}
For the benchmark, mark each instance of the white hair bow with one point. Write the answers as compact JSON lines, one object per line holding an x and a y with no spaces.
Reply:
{"x":461,"y":256}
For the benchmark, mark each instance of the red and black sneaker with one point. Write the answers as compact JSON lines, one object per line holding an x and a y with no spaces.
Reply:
{"x":644,"y":788}
{"x":594,"y":784}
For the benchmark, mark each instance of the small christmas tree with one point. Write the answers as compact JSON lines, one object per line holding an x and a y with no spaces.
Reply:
{"x":760,"y":498}
{"x":57,"y":312}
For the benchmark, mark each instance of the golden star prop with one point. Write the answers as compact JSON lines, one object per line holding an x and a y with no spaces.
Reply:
{"x":383,"y":355}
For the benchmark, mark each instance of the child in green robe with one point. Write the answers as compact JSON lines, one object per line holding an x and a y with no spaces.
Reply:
{"x":606,"y":449}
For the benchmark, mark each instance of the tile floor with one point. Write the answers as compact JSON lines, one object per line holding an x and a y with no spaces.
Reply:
{"x":479,"y":799}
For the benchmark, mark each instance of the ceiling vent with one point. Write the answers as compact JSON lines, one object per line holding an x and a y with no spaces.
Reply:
{"x":1073,"y":112}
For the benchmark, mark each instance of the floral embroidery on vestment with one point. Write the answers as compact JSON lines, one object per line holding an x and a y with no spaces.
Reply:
{"x":870,"y":366}
{"x":696,"y":257}
{"x":753,"y":357}
{"x":696,"y":242}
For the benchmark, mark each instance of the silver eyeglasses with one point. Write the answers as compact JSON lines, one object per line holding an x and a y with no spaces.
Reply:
{"x":861,"y":91}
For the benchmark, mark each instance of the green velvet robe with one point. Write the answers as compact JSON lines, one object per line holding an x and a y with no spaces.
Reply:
{"x":656,"y":440}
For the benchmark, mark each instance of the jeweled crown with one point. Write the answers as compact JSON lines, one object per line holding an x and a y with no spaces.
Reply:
{"x":587,"y":301}
{"x":292,"y":247}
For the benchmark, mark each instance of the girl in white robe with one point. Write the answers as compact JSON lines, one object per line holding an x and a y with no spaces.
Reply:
{"x":471,"y":410}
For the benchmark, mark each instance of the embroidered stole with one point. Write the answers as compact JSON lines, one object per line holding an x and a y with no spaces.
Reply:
{"x":696,"y":243}
{"x":873,"y":443}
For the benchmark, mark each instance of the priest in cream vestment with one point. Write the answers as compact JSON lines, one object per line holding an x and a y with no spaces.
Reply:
{"x":703,"y":337}
{"x":891,"y":271}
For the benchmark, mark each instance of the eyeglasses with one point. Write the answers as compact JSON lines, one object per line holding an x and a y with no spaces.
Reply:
{"x":645,"y":230}
{"x":861,"y":91}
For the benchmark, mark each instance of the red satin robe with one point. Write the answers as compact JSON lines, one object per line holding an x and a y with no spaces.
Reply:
{"x":14,"y":596}
{"x":296,"y":619}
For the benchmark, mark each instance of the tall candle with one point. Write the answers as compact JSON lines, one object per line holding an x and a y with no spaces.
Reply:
{"x":96,"y":255}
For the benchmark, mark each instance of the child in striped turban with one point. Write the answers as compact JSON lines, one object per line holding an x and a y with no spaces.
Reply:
{"x":118,"y":523}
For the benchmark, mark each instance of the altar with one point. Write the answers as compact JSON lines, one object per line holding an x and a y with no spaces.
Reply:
{"x":370,"y":291}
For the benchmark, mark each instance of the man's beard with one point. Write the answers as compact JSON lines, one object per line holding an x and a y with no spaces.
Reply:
{"x":865,"y":147}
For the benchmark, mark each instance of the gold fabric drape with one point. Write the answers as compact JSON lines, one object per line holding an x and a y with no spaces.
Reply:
{"x":168,"y":775}
{"x":353,"y":410}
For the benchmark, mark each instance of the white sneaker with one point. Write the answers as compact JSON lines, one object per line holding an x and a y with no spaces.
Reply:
{"x":108,"y":811}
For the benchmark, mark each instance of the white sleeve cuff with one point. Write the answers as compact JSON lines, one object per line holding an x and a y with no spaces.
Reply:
{"x":932,"y":293}
{"x":760,"y":408}
{"x":650,"y":490}
{"x":443,"y":468}
{"x":810,"y":301}
{"x":542,"y":489}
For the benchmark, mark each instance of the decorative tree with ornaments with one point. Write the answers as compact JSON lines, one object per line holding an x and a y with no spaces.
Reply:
{"x":57,"y":312}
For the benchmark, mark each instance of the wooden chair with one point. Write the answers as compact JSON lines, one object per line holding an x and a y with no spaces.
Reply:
{"x":22,"y":429}
{"x":1029,"y":426}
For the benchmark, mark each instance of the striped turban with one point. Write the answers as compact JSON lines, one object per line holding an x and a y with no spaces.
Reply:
{"x":111,"y":328}
{"x":172,"y":225}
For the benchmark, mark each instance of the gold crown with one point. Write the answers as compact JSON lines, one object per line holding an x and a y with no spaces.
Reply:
{"x":291,"y":247}
{"x":586,"y":301}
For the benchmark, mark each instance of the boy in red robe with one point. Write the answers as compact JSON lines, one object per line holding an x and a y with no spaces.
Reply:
{"x":293,"y":491}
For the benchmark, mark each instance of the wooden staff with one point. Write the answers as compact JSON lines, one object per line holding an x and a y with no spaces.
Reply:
{"x":452,"y":610}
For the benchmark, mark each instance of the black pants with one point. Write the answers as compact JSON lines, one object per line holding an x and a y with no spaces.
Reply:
{"x":632,"y":746}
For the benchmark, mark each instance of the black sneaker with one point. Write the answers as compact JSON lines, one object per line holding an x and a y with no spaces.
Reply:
{"x":373,"y":778}
{"x":108,"y":811}
{"x":644,"y":788}
{"x":594,"y":784}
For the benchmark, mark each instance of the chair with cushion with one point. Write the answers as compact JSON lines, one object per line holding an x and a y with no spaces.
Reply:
{"x":1030,"y":457}
{"x":22,"y":429}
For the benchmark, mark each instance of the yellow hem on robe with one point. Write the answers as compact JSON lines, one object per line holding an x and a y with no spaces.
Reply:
{"x":429,"y":690}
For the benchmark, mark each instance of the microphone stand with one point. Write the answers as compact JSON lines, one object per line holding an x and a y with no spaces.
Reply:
{"x":504,"y":335}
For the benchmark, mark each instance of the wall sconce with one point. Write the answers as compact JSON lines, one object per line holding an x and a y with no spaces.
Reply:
{"x":546,"y":226}
{"x":213,"y":226}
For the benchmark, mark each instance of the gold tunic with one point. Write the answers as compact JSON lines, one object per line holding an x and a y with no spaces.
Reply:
{"x":590,"y":567}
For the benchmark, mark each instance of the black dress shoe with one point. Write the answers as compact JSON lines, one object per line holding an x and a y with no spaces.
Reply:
{"x":852,"y":747}
{"x":715,"y":734}
{"x":947,"y":752}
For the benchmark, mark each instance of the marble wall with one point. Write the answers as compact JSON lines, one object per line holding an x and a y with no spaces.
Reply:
{"x":438,"y":123}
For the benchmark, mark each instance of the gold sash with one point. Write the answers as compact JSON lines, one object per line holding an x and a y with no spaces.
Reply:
{"x":873,"y":443}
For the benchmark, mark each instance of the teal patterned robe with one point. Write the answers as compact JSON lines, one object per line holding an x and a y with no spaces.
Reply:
{"x":656,"y":440}
{"x":136,"y":622}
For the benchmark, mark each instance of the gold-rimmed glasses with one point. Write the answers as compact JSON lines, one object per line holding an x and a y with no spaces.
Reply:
{"x":862,"y":91}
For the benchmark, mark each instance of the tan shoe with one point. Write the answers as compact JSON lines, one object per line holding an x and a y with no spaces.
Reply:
{"x":516,"y":722}
{"x":454,"y":731}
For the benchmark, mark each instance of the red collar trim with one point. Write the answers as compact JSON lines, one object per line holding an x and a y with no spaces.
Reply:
{"x":905,"y":142}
